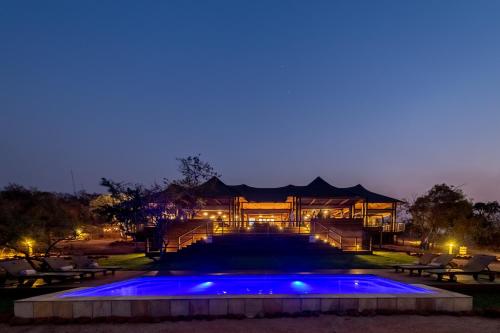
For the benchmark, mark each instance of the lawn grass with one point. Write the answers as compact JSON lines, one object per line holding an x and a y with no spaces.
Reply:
{"x":379,"y":259}
{"x":133,"y":261}
{"x":382,"y":259}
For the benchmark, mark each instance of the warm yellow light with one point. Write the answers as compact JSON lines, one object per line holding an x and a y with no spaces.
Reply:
{"x":29,"y":243}
{"x":224,"y":216}
{"x":78,"y":231}
{"x":219,"y":213}
{"x":212,"y":217}
{"x":205,"y":214}
{"x":316,"y":236}
{"x":450,"y":248}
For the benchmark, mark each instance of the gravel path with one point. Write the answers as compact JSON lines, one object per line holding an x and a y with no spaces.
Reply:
{"x":323,"y":324}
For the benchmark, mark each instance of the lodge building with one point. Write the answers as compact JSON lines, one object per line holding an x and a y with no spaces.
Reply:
{"x":346,"y":218}
{"x":243,"y":205}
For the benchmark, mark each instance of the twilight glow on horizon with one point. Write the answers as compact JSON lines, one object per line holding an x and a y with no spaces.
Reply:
{"x":395,"y":95}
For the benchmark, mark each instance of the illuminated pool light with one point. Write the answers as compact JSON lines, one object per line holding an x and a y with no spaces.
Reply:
{"x":202,"y":286}
{"x":300,"y":286}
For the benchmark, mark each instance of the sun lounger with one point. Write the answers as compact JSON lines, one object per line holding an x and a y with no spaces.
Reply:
{"x":82,"y":262}
{"x":441,"y":261}
{"x":22,"y":270}
{"x":59,"y":264}
{"x":424,"y":259}
{"x":475,"y":266}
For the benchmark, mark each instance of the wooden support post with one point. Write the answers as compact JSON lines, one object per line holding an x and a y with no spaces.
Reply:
{"x":365,"y":213}
{"x":394,"y":207}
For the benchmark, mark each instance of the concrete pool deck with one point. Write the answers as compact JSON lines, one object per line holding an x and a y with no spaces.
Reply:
{"x":319,"y":324}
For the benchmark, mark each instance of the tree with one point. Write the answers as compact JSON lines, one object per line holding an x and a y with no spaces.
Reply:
{"x":156,"y":206}
{"x":444,"y":211}
{"x":15,"y":201}
{"x":125,"y":207}
{"x":40,"y":219}
{"x":183,"y":193}
{"x":486,"y":229}
{"x":194,"y":171}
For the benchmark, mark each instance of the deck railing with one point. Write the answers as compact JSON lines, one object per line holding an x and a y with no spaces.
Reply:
{"x":258,"y":228}
{"x":315,"y":229}
{"x":331,"y":236}
{"x":387,"y":227}
{"x":399,"y":227}
{"x":192,"y":236}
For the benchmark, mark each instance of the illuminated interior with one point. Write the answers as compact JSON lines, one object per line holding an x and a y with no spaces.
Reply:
{"x":294,"y":206}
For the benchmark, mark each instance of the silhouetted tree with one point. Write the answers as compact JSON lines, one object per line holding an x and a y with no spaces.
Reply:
{"x":486,"y":230}
{"x":194,"y":171}
{"x":43,"y":218}
{"x":126,"y":207}
{"x":443,"y":211}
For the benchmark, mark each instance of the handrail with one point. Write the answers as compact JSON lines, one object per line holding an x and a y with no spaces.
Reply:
{"x":341,"y":239}
{"x":267,"y":227}
{"x":326,"y":233}
{"x":192,"y":234}
{"x":190,"y":231}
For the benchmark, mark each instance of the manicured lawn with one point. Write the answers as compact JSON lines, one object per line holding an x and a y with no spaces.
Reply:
{"x":382,"y":259}
{"x":133,"y":261}
{"x":379,"y":259}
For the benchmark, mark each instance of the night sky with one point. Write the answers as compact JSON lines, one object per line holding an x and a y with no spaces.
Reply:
{"x":395,"y":95}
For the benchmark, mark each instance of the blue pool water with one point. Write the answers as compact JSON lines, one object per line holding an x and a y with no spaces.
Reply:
{"x":289,"y":284}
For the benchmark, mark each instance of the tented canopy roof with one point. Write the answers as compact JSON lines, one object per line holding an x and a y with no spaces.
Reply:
{"x":318,"y":188}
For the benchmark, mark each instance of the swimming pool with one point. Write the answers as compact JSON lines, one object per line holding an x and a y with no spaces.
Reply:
{"x":241,"y":295}
{"x":289,"y":284}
